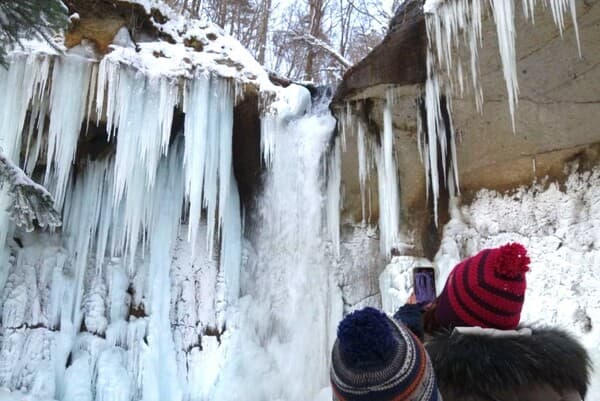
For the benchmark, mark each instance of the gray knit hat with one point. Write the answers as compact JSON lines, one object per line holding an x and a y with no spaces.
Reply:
{"x":375,"y":358}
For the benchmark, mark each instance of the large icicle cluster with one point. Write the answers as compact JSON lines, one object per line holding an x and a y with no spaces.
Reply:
{"x":107,"y":298}
{"x":378,"y":155}
{"x":454,"y":28}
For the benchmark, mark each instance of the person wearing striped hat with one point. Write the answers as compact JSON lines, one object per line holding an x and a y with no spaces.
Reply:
{"x":375,"y":358}
{"x":480,"y":351}
{"x":486,"y":290}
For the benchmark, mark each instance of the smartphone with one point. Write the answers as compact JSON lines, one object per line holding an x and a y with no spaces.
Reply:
{"x":424,"y":284}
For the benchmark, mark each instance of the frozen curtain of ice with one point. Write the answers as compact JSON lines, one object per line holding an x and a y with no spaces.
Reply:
{"x":291,"y":302}
{"x":90,"y":313}
{"x":149,"y":289}
{"x":454,"y":28}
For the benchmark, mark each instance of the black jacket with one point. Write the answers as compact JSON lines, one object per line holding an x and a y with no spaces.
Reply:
{"x":548,"y":365}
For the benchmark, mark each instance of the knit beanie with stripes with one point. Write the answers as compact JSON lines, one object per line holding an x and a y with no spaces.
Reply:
{"x":486,"y":290}
{"x":375,"y":358}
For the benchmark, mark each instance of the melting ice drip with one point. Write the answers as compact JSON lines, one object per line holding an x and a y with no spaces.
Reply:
{"x":282,"y":343}
{"x":456,"y":26}
{"x":78,"y":337}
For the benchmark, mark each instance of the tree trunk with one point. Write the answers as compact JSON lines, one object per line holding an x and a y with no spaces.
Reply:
{"x":316,"y":9}
{"x":263,"y":31}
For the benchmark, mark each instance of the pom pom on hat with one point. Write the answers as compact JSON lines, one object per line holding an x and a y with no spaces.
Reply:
{"x":366,"y":339}
{"x":512,"y":260}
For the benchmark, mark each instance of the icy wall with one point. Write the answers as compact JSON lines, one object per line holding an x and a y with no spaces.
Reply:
{"x":105,"y":309}
{"x":150,"y":289}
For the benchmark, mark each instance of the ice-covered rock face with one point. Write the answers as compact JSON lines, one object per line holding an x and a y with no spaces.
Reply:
{"x":555,"y":118}
{"x":102,"y":298}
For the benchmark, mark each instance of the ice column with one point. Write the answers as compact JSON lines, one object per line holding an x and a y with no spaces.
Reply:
{"x":389,"y":201}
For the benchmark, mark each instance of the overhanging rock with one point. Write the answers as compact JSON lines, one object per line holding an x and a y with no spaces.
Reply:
{"x":557,"y":116}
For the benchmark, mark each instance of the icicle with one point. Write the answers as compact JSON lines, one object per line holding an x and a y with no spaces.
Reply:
{"x":208,"y":153}
{"x":160,"y":375}
{"x":231,"y":246}
{"x":196,"y":102}
{"x":68,"y":99}
{"x":558,"y":8}
{"x":575,"y":25}
{"x":389,"y":203}
{"x":432,"y":105}
{"x":504,"y":17}
{"x":363,"y":165}
{"x":334,"y":182}
{"x":22,"y":83}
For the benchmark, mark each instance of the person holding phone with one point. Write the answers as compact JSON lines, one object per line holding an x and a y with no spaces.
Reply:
{"x":419,"y":302}
{"x":480,"y":351}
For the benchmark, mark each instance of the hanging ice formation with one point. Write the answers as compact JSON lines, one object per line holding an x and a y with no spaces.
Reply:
{"x":88,"y":311}
{"x":288,"y":284}
{"x":378,"y":155}
{"x":454,"y":27}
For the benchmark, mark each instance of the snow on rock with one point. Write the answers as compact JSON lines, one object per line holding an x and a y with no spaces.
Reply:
{"x":559,"y":227}
{"x":186,"y":48}
{"x":198,"y":46}
{"x":30,"y":202}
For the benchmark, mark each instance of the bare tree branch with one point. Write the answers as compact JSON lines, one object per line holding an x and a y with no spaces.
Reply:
{"x":312,"y":41}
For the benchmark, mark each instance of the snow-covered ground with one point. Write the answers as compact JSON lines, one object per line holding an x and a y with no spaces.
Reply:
{"x":560,"y":227}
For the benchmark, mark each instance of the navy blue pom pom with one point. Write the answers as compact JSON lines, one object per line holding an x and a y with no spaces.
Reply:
{"x":366,"y":339}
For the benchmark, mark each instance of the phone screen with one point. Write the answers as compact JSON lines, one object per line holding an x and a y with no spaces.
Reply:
{"x":424,"y":284}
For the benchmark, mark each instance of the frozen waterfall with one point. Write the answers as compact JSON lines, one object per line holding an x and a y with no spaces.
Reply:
{"x":103,"y":309}
{"x":289,"y":290}
{"x":150,"y":290}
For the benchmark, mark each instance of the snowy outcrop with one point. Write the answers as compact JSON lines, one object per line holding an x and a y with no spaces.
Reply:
{"x":138,"y":296}
{"x":135,"y":148}
{"x":31,"y":204}
{"x":158,"y":41}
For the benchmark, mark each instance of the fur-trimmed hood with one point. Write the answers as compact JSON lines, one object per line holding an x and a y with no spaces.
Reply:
{"x":481,"y":366}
